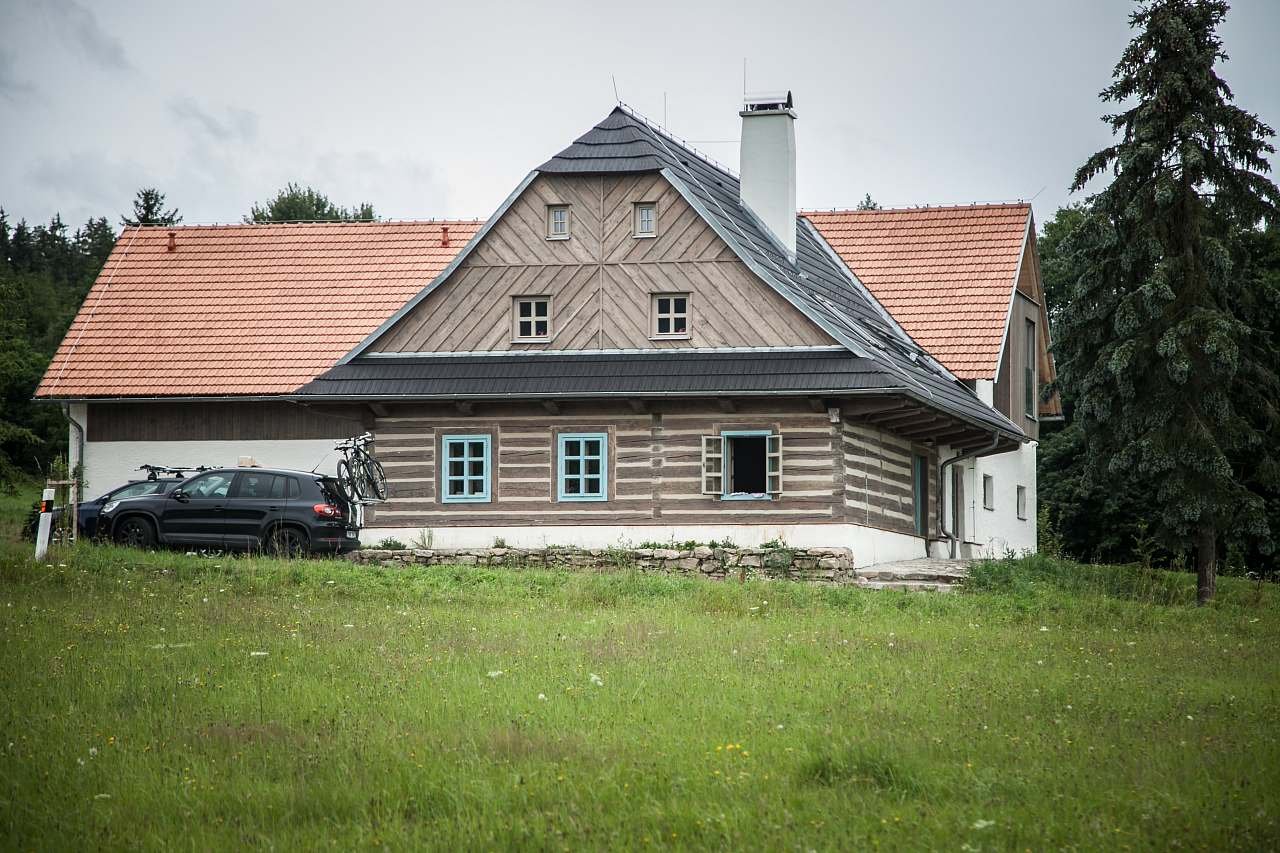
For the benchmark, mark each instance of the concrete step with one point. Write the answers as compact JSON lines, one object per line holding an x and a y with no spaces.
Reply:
{"x":884,"y":573}
{"x":908,"y":586}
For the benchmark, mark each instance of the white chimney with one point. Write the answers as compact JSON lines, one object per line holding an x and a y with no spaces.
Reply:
{"x":768,"y":163}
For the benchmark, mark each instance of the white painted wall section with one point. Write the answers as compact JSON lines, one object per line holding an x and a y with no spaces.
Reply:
{"x":868,"y":544}
{"x":110,"y":463}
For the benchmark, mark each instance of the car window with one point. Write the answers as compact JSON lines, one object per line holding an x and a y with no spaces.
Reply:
{"x":150,"y":487}
{"x":255,"y":485}
{"x":208,"y":486}
{"x":285,"y":488}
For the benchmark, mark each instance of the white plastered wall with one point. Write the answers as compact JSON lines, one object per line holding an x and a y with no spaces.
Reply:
{"x":993,"y":532}
{"x":869,"y":545}
{"x":110,"y":463}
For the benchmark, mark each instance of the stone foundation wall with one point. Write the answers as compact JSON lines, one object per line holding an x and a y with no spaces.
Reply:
{"x":828,"y":565}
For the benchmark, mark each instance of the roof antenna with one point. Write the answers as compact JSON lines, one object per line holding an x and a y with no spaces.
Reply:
{"x":664,"y":110}
{"x":615,"y":89}
{"x":744,"y":79}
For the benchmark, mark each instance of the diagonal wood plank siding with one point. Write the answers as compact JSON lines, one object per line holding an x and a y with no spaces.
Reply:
{"x":600,"y":280}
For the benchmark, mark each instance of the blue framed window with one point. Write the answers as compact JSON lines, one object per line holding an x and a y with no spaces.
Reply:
{"x":465,"y":468}
{"x":742,"y":465}
{"x":582,"y":472}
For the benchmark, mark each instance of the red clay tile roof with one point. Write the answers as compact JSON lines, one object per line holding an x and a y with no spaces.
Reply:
{"x":241,"y":309}
{"x":946,"y":274}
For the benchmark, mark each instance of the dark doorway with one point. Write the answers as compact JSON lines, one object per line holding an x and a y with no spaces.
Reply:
{"x":747,"y":465}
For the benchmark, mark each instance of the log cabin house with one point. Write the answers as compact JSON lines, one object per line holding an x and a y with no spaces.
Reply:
{"x":637,"y":345}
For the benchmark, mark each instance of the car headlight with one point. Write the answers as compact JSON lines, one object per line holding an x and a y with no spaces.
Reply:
{"x":110,"y":507}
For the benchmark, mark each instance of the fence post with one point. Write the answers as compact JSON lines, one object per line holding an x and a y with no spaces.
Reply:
{"x":46,"y":522}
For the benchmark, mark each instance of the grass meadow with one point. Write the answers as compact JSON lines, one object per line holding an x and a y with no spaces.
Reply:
{"x":160,"y":701}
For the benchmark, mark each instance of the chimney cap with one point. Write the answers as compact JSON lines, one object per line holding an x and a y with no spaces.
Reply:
{"x":754,"y":102}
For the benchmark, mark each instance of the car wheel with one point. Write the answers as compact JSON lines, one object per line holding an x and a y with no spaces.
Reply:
{"x":287,"y":542}
{"x":135,"y":532}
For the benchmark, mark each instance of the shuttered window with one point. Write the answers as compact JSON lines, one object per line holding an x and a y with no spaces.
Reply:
{"x":742,"y":464}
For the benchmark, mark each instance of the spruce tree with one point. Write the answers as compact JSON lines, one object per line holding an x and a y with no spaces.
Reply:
{"x":148,"y":209}
{"x":1174,"y":387}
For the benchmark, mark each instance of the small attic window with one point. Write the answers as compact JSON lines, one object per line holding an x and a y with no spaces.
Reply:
{"x":670,"y":316}
{"x":646,"y":219}
{"x":557,"y":222}
{"x":531,"y":318}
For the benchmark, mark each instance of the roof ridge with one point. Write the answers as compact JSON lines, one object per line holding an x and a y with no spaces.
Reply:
{"x":191,"y":226}
{"x":977,"y":205}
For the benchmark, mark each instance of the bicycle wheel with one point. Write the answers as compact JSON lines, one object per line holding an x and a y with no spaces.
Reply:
{"x":376,"y":477}
{"x":347,"y":483}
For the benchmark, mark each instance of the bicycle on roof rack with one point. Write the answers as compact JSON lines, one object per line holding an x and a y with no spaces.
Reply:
{"x":361,"y":478}
{"x":155,"y":472}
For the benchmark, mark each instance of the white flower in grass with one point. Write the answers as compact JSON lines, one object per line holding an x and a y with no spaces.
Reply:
{"x":93,"y":750}
{"x":496,"y":673}
{"x":1044,"y":627}
{"x":348,"y":625}
{"x":596,"y":680}
{"x":257,"y":654}
{"x":983,"y":824}
{"x":542,"y":697}
{"x":102,"y":796}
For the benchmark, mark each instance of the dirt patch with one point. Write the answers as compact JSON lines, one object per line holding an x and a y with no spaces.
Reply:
{"x":512,"y":744}
{"x":255,"y":733}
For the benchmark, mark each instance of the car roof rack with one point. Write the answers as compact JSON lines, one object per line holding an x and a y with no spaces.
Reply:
{"x":154,"y":472}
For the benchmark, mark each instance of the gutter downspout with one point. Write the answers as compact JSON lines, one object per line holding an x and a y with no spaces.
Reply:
{"x":75,"y":490}
{"x":950,"y":535}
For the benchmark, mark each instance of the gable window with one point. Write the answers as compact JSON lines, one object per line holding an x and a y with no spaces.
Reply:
{"x":1029,"y":372}
{"x":646,"y":219}
{"x":557,"y":222}
{"x":988,"y":492}
{"x":670,"y":316}
{"x":465,"y":468}
{"x":742,"y":465}
{"x":920,"y":493}
{"x":1022,"y":502}
{"x":531,"y":318}
{"x":582,"y":470}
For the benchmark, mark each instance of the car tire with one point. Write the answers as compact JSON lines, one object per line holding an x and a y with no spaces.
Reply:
{"x":287,"y":543}
{"x":135,"y":532}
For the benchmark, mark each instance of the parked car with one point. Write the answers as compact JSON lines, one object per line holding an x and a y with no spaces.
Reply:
{"x":88,"y":512}
{"x":282,"y":512}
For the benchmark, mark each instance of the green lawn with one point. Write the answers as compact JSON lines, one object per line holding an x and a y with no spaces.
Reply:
{"x":163,"y":701}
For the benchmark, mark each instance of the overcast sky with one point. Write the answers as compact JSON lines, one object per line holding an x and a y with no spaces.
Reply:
{"x":438,"y":110}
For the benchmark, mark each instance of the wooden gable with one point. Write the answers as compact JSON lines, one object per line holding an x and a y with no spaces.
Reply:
{"x":601,"y":279}
{"x":1027,"y":305}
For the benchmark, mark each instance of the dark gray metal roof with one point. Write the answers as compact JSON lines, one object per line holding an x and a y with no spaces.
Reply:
{"x":661,"y":373}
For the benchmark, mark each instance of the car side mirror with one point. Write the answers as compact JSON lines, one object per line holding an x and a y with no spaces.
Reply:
{"x":181,"y":496}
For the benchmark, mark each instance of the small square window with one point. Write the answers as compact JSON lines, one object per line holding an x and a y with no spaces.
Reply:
{"x":1022,"y":502}
{"x":583,"y":465}
{"x":670,"y":316}
{"x":988,"y":492}
{"x":557,"y":222}
{"x":646,"y":219}
{"x":466,"y":470}
{"x":531,"y":318}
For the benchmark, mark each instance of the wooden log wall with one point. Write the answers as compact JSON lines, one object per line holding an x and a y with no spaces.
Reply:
{"x":879,"y":489}
{"x":654,"y":473}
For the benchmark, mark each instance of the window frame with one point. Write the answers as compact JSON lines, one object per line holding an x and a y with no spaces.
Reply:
{"x":486,"y":496}
{"x":568,"y":221}
{"x":1021,"y":506}
{"x":564,"y":437}
{"x":636,"y":230}
{"x":516,"y":337}
{"x":920,"y":494}
{"x":988,"y":492}
{"x":1031,"y":371}
{"x":655,"y":316}
{"x":771,"y":438}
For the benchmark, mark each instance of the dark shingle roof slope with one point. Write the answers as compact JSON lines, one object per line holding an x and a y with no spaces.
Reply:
{"x":816,"y":281}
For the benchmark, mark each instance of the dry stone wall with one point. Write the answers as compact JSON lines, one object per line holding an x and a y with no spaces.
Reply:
{"x":826,"y":565}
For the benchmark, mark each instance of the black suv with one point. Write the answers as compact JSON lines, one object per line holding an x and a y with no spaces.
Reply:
{"x":283,"y":512}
